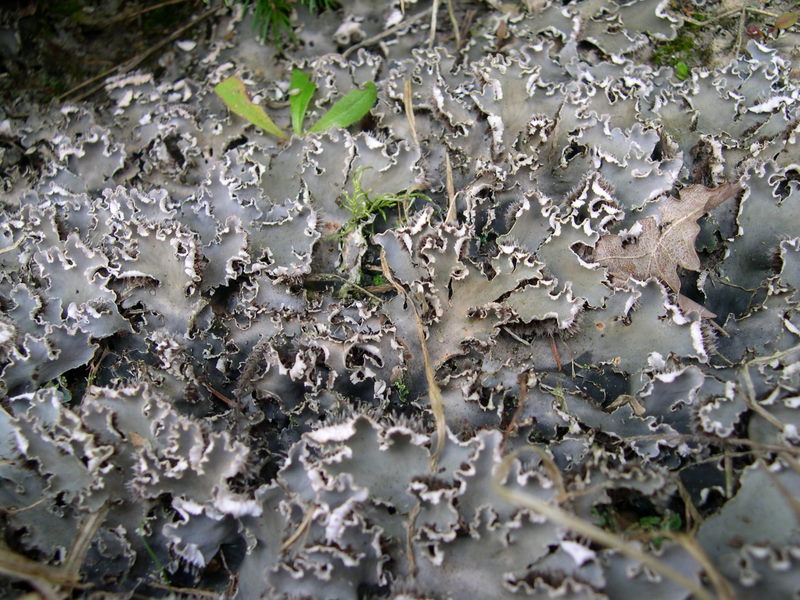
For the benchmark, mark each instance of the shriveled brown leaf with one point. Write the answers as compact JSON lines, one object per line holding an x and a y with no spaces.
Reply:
{"x":662,"y":247}
{"x":787,"y":19}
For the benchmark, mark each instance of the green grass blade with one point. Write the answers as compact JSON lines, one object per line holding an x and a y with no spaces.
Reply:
{"x":349,"y":109}
{"x":235,"y":97}
{"x":301,"y":88}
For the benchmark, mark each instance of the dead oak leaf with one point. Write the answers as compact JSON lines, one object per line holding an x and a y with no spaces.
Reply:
{"x":665,"y":244}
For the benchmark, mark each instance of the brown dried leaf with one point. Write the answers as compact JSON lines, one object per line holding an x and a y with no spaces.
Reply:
{"x":662,"y":247}
{"x":787,"y":19}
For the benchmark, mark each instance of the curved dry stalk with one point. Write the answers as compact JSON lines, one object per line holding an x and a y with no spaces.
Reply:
{"x":412,"y":520}
{"x":552,"y":470}
{"x":583,"y":527}
{"x":301,"y":530}
{"x":451,"y":189}
{"x":13,"y":246}
{"x":77,"y":553}
{"x":434,"y":17}
{"x":715,"y":440}
{"x":790,"y":499}
{"x":43,"y":578}
{"x":721,"y":585}
{"x":408,"y":104}
{"x":763,"y":360}
{"x":434,"y":393}
{"x":332,"y":276}
{"x":454,"y":23}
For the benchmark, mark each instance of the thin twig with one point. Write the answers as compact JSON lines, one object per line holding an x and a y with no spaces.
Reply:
{"x":556,"y":355}
{"x":754,"y":405}
{"x":301,"y":529}
{"x":434,"y":17}
{"x":763,"y":13}
{"x":522,"y":384}
{"x":692,"y":515}
{"x":583,"y":527}
{"x":718,"y":327}
{"x":691,"y":437}
{"x":363,"y":290}
{"x":724,"y":15}
{"x":42,"y":577}
{"x":384,"y":34}
{"x":217,"y":394}
{"x":516,"y":337}
{"x":721,"y":585}
{"x":127,"y":16}
{"x":13,"y":246}
{"x":135,"y":61}
{"x":408,"y":104}
{"x":434,"y":392}
{"x":763,"y":360}
{"x":16,"y":511}
{"x":451,"y":189}
{"x":728,"y":467}
{"x":77,"y":553}
{"x":412,"y":519}
{"x":454,"y":23}
{"x":94,"y":366}
{"x":740,"y":33}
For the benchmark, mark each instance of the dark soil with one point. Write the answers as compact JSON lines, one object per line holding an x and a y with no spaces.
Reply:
{"x":47,"y":47}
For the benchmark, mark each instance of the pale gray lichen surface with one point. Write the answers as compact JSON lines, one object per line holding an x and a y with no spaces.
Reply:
{"x":218,"y":392}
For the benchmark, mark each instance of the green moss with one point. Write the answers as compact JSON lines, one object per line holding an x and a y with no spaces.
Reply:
{"x":683,"y":53}
{"x":681,"y":49}
{"x":402,"y":391}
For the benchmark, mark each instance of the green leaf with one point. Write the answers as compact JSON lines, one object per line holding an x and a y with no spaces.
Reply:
{"x":349,"y":109}
{"x":235,"y":97}
{"x":301,"y":88}
{"x":681,"y":70}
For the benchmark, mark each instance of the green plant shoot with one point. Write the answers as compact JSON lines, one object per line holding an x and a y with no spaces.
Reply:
{"x":344,"y":113}
{"x":349,"y":109}
{"x":301,"y":89}
{"x":234,"y":95}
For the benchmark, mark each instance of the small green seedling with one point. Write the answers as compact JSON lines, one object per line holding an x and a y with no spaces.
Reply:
{"x":343,"y":113}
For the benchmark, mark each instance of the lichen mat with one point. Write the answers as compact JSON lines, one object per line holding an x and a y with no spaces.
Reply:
{"x":210,"y":389}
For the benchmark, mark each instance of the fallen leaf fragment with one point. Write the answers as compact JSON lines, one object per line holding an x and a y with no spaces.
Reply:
{"x":666,"y":243}
{"x":786,"y":20}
